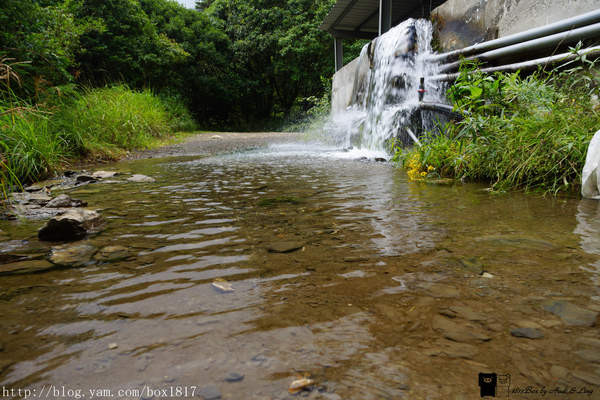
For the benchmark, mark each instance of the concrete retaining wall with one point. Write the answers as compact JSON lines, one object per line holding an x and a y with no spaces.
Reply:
{"x":342,"y":87}
{"x":461,"y":23}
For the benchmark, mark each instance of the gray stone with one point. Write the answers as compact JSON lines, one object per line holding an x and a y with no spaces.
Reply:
{"x":112,"y":253}
{"x":73,"y":255}
{"x":85,"y":178}
{"x":36,"y":187}
{"x":72,"y":225}
{"x":464,"y":312}
{"x":25,"y":267}
{"x":39,"y":199}
{"x":234,"y":377}
{"x":104,"y":174}
{"x":63,"y":201}
{"x":464,"y":333}
{"x":209,"y":393}
{"x":285,"y":247}
{"x":529,"y":333}
{"x":570,"y":313}
{"x":140,"y":178}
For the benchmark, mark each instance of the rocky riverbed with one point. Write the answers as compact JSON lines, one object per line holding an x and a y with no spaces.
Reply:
{"x":286,"y":272}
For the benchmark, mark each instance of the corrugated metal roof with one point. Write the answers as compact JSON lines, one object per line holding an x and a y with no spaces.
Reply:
{"x":360,"y":18}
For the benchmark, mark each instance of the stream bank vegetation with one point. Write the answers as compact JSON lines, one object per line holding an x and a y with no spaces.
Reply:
{"x":38,"y":139}
{"x":95,"y":78}
{"x":519,"y":132}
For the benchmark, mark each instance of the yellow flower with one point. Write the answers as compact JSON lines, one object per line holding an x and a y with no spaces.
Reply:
{"x":431,"y":168}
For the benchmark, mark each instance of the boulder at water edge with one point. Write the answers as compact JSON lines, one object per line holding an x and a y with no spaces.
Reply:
{"x":590,"y":176}
{"x":72,"y":225}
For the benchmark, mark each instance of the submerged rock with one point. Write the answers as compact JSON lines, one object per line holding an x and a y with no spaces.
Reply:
{"x":39,"y":199}
{"x":73,"y":255}
{"x":591,"y":355}
{"x":464,"y":333}
{"x":25,"y":267}
{"x":85,"y":178}
{"x":141,"y":178}
{"x":112,"y":253}
{"x":570,"y":313}
{"x":221,"y":285}
{"x":300,"y":384}
{"x":104,"y":174}
{"x":464,"y":312}
{"x":443,"y":290}
{"x":36,"y":187}
{"x":72,"y":225}
{"x":285,"y":247}
{"x":64,"y":201}
{"x":234,"y":377}
{"x":11,"y":245}
{"x":210,"y":392}
{"x":529,"y":333}
{"x":587,"y":377}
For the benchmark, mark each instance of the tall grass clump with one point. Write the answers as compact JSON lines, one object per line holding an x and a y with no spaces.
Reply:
{"x":103,"y":122}
{"x":28,"y":149}
{"x":37,"y":139}
{"x":518,"y":132}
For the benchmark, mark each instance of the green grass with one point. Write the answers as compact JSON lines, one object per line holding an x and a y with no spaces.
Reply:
{"x":99,"y":123}
{"x":102,"y":123}
{"x":529,"y":133}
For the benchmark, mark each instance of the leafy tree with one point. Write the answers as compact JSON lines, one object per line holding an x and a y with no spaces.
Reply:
{"x":128,"y":49}
{"x":44,"y":34}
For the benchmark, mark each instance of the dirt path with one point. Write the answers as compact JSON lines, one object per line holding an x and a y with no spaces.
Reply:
{"x":211,"y":143}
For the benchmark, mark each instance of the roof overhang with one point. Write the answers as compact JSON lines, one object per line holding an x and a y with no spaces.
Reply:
{"x":359,"y":19}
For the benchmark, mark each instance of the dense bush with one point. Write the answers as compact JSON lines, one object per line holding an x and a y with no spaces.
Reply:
{"x":518,"y":132}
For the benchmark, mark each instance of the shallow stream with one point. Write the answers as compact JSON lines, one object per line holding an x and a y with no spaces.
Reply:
{"x":382,"y":281}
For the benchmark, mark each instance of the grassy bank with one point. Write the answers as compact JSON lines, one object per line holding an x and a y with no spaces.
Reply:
{"x":95,"y":124}
{"x":528,"y":133}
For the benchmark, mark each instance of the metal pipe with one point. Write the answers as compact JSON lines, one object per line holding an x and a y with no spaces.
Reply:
{"x":421,"y":89}
{"x":441,"y":108}
{"x":557,"y":27}
{"x":531,"y":45}
{"x":523,"y":66}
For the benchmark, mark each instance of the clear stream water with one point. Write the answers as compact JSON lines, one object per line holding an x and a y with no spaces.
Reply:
{"x":355,"y":308}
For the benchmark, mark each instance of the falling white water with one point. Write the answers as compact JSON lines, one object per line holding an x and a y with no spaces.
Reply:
{"x":385,"y":95}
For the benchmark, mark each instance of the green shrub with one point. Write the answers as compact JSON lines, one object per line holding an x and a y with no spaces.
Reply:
{"x":29,"y":150}
{"x":103,"y":122}
{"x":518,"y":132}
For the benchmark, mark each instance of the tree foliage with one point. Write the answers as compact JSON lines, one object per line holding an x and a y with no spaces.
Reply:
{"x":236,"y":63}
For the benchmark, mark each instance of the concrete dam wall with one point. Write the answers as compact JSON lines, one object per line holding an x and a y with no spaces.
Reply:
{"x":461,"y":23}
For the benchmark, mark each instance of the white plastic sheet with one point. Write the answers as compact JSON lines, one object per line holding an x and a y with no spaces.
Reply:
{"x":590,"y":177}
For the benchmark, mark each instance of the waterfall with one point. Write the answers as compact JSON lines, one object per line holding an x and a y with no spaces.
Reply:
{"x":385,"y":99}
